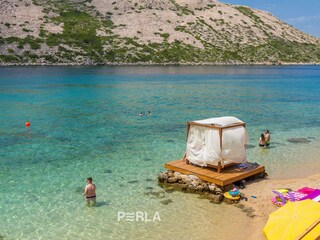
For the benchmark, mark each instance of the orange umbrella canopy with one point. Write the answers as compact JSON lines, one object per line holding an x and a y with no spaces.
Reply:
{"x":291,"y":221}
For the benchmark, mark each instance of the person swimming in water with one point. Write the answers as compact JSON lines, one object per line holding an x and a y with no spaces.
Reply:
{"x":141,"y":114}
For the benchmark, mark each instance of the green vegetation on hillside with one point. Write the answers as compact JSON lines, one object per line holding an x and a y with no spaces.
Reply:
{"x":249,"y":13}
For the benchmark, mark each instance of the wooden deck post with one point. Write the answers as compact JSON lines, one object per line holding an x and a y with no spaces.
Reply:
{"x":219,"y":167}
{"x":188,"y":129}
{"x":219,"y":163}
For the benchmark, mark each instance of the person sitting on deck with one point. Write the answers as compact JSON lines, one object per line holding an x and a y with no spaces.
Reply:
{"x":262,"y":140}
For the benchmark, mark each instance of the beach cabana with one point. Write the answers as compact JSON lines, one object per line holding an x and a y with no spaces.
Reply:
{"x":216,"y":142}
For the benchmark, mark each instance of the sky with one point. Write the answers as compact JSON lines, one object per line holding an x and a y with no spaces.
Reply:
{"x":302,"y":14}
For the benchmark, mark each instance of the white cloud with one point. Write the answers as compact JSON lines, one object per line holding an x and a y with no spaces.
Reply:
{"x":303,"y":19}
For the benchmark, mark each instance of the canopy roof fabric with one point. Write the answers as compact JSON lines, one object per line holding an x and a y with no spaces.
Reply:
{"x":221,"y":121}
{"x":216,"y":141}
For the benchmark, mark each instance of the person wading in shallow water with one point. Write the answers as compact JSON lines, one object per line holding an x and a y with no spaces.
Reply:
{"x":262,"y":140}
{"x":267,"y":137}
{"x":90,"y":192}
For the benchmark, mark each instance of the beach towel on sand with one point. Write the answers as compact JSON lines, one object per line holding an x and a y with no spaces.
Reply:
{"x":314,"y":196}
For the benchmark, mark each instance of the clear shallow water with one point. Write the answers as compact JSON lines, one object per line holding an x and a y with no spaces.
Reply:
{"x":84,"y":122}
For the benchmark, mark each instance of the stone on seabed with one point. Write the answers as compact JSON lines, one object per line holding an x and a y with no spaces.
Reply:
{"x":216,"y":198}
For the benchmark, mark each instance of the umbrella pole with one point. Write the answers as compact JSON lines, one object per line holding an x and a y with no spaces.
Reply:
{"x":309,"y":229}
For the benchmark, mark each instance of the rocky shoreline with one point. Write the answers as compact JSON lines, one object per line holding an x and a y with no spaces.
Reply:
{"x":2,"y":64}
{"x":171,"y":180}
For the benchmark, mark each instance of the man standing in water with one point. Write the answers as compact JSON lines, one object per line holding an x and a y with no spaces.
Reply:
{"x":90,"y":192}
{"x":267,"y":137}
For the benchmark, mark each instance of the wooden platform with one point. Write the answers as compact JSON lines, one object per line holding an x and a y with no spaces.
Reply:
{"x":227,"y":176}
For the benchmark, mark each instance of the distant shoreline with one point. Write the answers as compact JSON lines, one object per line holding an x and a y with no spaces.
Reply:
{"x":162,"y":64}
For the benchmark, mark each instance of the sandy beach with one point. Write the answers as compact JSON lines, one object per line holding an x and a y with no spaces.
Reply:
{"x":261,"y":206}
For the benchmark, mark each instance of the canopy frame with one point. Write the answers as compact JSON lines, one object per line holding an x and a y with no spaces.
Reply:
{"x":215,"y":126}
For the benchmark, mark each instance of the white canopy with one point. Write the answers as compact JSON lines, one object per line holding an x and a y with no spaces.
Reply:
{"x":215,"y":140}
{"x":221,"y":121}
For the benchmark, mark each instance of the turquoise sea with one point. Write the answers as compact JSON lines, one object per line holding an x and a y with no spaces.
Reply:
{"x":85,"y":122}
